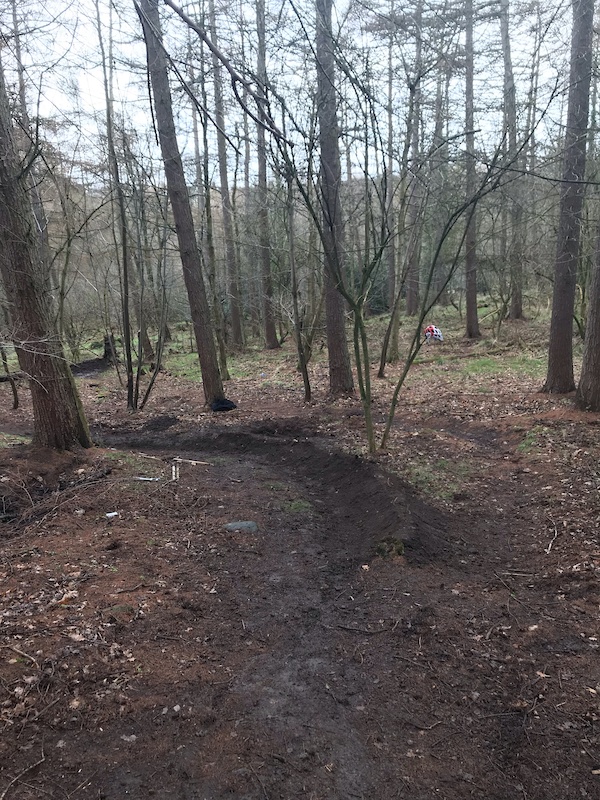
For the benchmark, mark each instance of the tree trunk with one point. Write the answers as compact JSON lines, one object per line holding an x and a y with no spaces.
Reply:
{"x":340,"y":372}
{"x":28,"y":134}
{"x":59,"y":421}
{"x":119,"y":222}
{"x":439,"y":179}
{"x":390,"y":248}
{"x":560,"y":376}
{"x":514,"y":160}
{"x":233,"y":287}
{"x":473,"y":331}
{"x":413,"y":215}
{"x":264,"y":245}
{"x":204,"y":189}
{"x":180,"y":203}
{"x":588,"y":391}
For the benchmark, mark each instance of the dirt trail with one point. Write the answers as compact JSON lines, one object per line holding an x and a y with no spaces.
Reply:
{"x":289,"y":722}
{"x":301,"y":660}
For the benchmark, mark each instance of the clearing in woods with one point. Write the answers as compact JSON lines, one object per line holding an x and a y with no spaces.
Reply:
{"x":422,"y":623}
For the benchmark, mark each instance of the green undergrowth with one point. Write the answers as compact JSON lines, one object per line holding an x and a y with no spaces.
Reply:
{"x":532,"y":440}
{"x":298,"y":506}
{"x":13,"y":440}
{"x":440,"y":479}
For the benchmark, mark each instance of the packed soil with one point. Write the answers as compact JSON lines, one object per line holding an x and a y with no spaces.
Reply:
{"x":248,"y":605}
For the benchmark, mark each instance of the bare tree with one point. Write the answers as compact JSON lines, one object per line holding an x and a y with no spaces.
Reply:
{"x":340,"y":371}
{"x":119,"y":227}
{"x":233,"y":283}
{"x":180,"y":203}
{"x":588,"y":391}
{"x":204,"y":189}
{"x":560,"y":377}
{"x":59,"y":421}
{"x":516,"y":249}
{"x":264,"y":247}
{"x":415,"y":190}
{"x":473,"y":331}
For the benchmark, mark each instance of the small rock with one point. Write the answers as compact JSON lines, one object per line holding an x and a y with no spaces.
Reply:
{"x":246,"y":527}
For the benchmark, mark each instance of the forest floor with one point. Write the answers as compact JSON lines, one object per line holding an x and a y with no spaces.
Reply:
{"x":148,"y":650}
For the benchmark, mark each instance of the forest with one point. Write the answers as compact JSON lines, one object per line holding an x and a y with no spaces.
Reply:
{"x":265,"y":173}
{"x":260,"y":536}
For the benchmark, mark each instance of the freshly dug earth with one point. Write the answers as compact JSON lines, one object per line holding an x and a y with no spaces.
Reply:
{"x":354,"y":638}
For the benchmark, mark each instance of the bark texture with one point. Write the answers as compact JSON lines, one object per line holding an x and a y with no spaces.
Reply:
{"x":560,"y":377}
{"x":588,"y":391}
{"x":473,"y":331}
{"x":264,"y":244}
{"x":340,"y":372}
{"x":180,"y":203}
{"x":233,"y":283}
{"x":514,"y":159}
{"x":59,"y":421}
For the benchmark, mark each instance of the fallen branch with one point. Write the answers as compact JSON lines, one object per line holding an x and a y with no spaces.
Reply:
{"x":21,"y":653}
{"x":20,"y":775}
{"x":554,"y":538}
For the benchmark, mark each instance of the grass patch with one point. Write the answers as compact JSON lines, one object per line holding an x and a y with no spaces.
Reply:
{"x":531,"y":441}
{"x":13,"y":439}
{"x":299,"y":506}
{"x":184,"y":365}
{"x":440,"y":479}
{"x":481,"y":366}
{"x":527,"y":365}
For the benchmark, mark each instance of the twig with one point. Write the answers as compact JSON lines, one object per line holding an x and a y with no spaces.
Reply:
{"x":132,"y":589}
{"x":38,"y":714}
{"x":511,"y":590}
{"x":21,"y":653}
{"x":262,"y":786}
{"x":20,"y":775}
{"x":82,"y":784}
{"x":362,"y":630}
{"x":420,"y":727}
{"x":554,"y":538}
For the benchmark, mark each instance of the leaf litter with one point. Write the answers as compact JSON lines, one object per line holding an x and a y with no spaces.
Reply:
{"x":156,"y":653}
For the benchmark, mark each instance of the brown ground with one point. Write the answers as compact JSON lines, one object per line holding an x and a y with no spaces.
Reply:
{"x":156,"y":654}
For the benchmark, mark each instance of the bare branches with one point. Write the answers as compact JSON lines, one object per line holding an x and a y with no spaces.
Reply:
{"x":238,"y":82}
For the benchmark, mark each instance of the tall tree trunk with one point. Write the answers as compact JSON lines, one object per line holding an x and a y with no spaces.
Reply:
{"x":473,"y":331}
{"x":204,"y":189}
{"x":34,"y":181}
{"x":514,"y":160}
{"x":340,"y":371}
{"x":264,"y":244}
{"x":390,"y":248}
{"x":413,"y":214}
{"x":180,"y":203}
{"x":439,"y":177}
{"x":588,"y":391}
{"x":119,"y":225}
{"x":298,"y":321}
{"x":58,"y":418}
{"x":390,"y":351}
{"x":233,"y":287}
{"x":560,"y":377}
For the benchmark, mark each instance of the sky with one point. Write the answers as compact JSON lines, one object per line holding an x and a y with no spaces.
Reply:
{"x":64,"y":75}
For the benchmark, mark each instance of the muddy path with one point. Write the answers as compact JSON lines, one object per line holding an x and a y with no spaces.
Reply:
{"x":303,"y":658}
{"x":291,"y":720}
